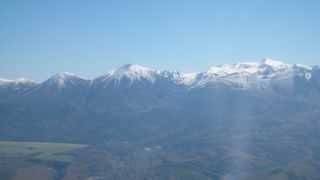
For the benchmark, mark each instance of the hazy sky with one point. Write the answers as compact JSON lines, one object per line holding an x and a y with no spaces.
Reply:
{"x":88,"y":38}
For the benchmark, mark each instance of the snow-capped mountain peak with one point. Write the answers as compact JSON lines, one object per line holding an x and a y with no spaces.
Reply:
{"x":64,"y":75}
{"x":273,"y":63}
{"x":16,"y":81}
{"x":221,"y":70}
{"x":247,"y":67}
{"x":61,"y":80}
{"x":180,"y":77}
{"x":250,"y":74}
{"x":132,"y":72}
{"x":61,"y":77}
{"x":5,"y":81}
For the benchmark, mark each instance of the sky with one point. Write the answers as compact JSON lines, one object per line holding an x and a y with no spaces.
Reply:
{"x":89,"y":38}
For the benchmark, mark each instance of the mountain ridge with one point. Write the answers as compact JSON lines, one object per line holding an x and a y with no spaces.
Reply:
{"x":243,"y":74}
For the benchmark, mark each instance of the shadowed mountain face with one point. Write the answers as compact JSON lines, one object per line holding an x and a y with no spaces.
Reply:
{"x":243,"y":121}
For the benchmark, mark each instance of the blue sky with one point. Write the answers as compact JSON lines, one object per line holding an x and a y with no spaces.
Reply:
{"x":88,"y":38}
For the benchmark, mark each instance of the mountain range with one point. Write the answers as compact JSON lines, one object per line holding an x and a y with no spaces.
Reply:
{"x":244,"y":75}
{"x":248,"y":120}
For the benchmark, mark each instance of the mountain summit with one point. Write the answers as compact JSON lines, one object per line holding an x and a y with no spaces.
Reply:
{"x":62,"y":80}
{"x":247,"y":67}
{"x":132,"y":72}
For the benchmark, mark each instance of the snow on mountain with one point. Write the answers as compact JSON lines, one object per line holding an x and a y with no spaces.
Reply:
{"x":303,"y":70}
{"x":133,"y":72}
{"x":273,"y":63}
{"x":16,"y":84}
{"x":247,"y":68}
{"x":19,"y":81}
{"x":62,"y":79}
{"x":254,"y":74}
{"x":180,"y":77}
{"x":244,"y":74}
{"x":4,"y":81}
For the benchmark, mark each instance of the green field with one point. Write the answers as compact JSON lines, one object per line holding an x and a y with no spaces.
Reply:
{"x":40,"y":150}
